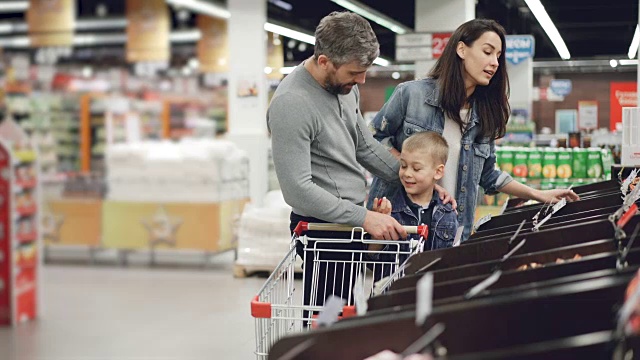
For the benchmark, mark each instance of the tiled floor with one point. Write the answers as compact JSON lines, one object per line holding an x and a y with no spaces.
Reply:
{"x":112,"y":313}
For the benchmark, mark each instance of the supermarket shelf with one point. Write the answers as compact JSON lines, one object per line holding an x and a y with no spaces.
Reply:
{"x":26,"y":210}
{"x":26,"y":184}
{"x":27,"y":238}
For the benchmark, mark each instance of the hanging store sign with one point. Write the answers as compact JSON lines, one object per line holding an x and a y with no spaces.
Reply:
{"x":519,"y":48}
{"x":421,"y":46}
{"x":622,"y":94}
{"x":213,"y":46}
{"x":147,"y":31}
{"x":561,"y":87}
{"x":51,"y":22}
{"x":587,"y":114}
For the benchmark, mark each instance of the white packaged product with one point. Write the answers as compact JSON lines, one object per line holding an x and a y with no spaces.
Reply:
{"x":202,"y":170}
{"x":263,"y":234}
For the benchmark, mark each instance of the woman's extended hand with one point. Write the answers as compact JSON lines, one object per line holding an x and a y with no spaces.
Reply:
{"x":555,"y":195}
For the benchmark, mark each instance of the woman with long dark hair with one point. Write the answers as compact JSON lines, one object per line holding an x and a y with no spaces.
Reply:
{"x":464,"y":98}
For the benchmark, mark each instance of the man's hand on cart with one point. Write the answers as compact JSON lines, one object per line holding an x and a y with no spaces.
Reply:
{"x":382,"y":206}
{"x":383,"y":227}
{"x":446,"y":197}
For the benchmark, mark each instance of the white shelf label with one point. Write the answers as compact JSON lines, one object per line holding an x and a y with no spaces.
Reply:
{"x":359,"y":296}
{"x":331,"y":310}
{"x":562,"y":203}
{"x":483,"y":220}
{"x":424,"y":301}
{"x":458,"y":238}
{"x":504,"y":206}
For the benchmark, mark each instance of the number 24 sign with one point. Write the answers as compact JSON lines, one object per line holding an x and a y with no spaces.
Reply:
{"x":438,"y":42}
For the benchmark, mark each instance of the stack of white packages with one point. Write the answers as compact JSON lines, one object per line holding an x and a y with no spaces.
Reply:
{"x":263,"y":233}
{"x":199,"y":170}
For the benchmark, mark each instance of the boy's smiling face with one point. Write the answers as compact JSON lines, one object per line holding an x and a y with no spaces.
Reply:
{"x":418,"y":173}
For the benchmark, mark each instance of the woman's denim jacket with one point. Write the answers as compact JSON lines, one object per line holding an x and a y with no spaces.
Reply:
{"x":414,"y":107}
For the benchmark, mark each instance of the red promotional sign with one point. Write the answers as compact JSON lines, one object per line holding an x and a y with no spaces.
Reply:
{"x":439,"y":41}
{"x":622,"y":94}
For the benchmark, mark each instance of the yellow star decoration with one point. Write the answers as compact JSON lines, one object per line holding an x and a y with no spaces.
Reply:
{"x":51,"y":224}
{"x":162,"y":228}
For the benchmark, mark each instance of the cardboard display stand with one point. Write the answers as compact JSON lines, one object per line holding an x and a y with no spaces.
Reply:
{"x":20,"y":245}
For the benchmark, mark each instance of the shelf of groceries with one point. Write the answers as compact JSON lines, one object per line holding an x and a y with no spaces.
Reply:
{"x":114,"y":166}
{"x":551,"y":168}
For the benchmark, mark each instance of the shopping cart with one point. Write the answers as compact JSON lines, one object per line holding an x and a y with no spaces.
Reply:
{"x":345,"y":264}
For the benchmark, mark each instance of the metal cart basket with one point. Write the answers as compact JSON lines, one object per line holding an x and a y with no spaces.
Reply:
{"x":345,"y":263}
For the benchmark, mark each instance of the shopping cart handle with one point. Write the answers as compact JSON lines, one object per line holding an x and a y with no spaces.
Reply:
{"x":422,"y":230}
{"x":303,"y":227}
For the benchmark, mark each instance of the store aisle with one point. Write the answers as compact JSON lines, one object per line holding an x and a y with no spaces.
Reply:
{"x":107,"y":313}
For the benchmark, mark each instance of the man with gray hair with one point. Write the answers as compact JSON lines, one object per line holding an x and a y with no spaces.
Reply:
{"x":319,"y":136}
{"x":319,"y":141}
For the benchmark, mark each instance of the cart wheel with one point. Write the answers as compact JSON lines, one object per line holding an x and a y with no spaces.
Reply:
{"x":239,"y":271}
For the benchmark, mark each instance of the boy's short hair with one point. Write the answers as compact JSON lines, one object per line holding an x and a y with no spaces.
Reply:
{"x":430,"y":142}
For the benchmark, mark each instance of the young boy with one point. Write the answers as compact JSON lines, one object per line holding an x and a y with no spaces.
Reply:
{"x":422,"y":161}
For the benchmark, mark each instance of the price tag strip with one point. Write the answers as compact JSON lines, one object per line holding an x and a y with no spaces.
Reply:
{"x":542,"y":211}
{"x":458,"y":238}
{"x":359,"y":296}
{"x":517,"y":231}
{"x":483,"y":220}
{"x":504,"y":206}
{"x":624,"y":187}
{"x":482,"y":286}
{"x":559,"y":205}
{"x":331,"y":311}
{"x":495,"y":276}
{"x":424,"y":298}
{"x":423,"y":341}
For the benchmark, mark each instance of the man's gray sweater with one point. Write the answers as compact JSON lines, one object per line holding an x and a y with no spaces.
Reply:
{"x":318,"y":140}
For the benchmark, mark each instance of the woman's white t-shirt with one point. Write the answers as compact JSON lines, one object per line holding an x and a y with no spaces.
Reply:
{"x":453,"y":135}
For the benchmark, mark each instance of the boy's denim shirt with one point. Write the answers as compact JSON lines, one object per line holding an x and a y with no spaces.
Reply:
{"x":443,"y":226}
{"x":414,"y":107}
{"x":444,"y":221}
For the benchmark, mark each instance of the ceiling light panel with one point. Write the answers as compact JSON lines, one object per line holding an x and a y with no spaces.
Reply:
{"x":549,"y":27}
{"x":373,"y":15}
{"x":13,"y":6}
{"x":202,"y":7}
{"x":633,"y":48}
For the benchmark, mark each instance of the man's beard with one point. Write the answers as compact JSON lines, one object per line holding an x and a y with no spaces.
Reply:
{"x":338,"y":88}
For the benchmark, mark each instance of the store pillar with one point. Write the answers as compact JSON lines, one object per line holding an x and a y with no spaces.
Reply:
{"x":440,"y":16}
{"x":248,"y":90}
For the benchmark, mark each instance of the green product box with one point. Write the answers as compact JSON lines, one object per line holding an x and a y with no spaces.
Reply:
{"x":594,"y":163}
{"x":549,"y":163}
{"x":564,"y":164}
{"x":506,"y":160}
{"x":534,"y":163}
{"x":520,"y":158}
{"x":607,"y":162}
{"x":579,"y":163}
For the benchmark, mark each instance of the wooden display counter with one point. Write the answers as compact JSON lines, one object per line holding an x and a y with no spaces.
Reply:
{"x":185,"y":226}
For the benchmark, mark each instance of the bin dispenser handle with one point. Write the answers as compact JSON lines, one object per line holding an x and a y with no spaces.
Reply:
{"x":303,"y":227}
